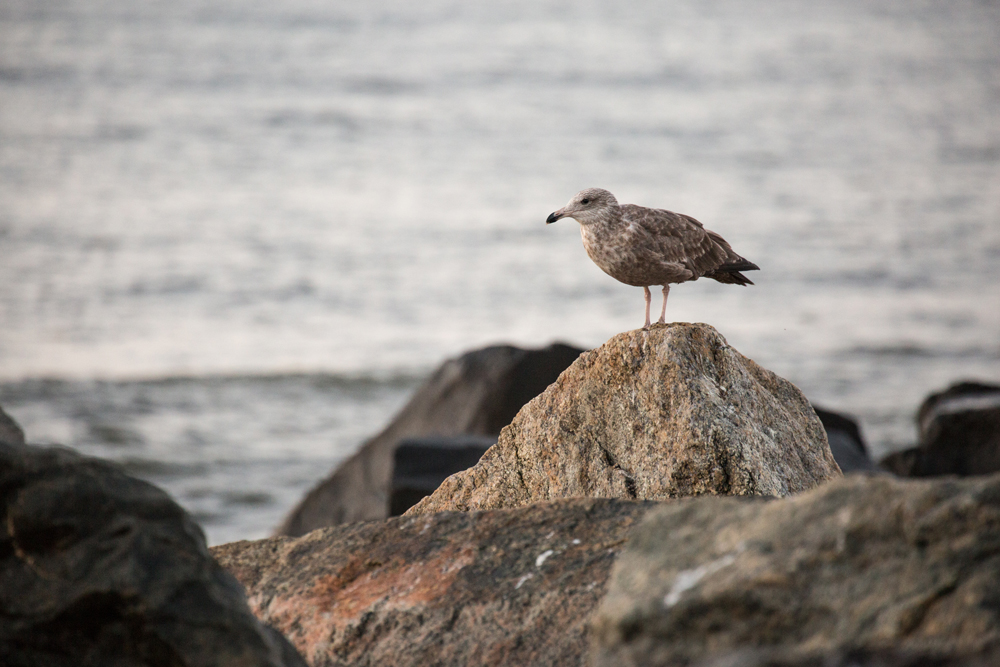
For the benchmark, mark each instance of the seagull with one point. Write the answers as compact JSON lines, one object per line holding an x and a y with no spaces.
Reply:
{"x":642,"y":246}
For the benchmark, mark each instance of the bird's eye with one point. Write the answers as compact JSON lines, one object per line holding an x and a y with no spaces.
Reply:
{"x":584,"y":201}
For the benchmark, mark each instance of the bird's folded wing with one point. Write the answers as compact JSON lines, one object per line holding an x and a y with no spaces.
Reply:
{"x":679,"y":239}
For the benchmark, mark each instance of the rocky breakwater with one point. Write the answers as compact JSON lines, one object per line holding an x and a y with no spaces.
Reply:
{"x":656,"y":414}
{"x":669,"y":412}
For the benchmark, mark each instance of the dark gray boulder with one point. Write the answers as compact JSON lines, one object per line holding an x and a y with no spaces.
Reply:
{"x":99,"y":568}
{"x":959,"y":434}
{"x":421,"y":464}
{"x":476,"y":394}
{"x":846,"y":444}
{"x":10,"y":431}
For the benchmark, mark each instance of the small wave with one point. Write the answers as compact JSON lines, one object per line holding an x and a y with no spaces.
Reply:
{"x":298,"y":117}
{"x":376,"y":85}
{"x":251,"y":498}
{"x":899,"y":350}
{"x":917,"y":351}
{"x":54,"y":387}
{"x":113,"y":434}
{"x":970,"y":154}
{"x":147,"y":468}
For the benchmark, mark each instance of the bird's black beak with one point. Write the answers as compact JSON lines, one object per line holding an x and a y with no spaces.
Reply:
{"x":552,"y":218}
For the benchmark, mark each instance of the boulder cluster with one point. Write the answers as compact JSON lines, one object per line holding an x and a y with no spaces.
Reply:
{"x":660,"y":500}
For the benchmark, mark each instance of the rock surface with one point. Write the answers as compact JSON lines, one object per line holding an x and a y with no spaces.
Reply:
{"x":672,"y":411}
{"x":10,"y":431}
{"x":959,"y":434}
{"x":900,"y":571}
{"x":99,"y":568}
{"x":477,"y":394}
{"x":509,"y":587}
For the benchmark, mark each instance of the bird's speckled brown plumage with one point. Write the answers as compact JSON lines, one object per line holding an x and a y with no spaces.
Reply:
{"x":649,"y":246}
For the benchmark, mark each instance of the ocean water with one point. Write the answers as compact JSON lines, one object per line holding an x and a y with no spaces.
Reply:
{"x":234,"y":236}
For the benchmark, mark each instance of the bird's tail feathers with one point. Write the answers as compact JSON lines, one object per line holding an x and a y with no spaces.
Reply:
{"x":730,"y":277}
{"x":729,"y":272}
{"x":739,"y":264}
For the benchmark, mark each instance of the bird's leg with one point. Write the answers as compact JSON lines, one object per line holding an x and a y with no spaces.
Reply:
{"x":649,"y":297}
{"x":663,"y":311}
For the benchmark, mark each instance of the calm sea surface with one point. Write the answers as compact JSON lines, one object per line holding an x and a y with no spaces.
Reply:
{"x":234,"y":236}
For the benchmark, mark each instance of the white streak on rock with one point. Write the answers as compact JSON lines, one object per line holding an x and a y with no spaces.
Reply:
{"x":542,"y":557}
{"x":688,"y":579}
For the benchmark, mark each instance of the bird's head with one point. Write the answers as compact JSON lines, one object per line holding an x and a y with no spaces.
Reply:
{"x":586,"y":207}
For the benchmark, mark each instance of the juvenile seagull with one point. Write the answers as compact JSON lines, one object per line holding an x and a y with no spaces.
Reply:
{"x":649,"y":246}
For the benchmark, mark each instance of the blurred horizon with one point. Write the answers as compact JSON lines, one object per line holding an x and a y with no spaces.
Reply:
{"x":304,"y":205}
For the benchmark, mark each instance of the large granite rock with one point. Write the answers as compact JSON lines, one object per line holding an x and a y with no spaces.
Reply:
{"x":894,"y":572}
{"x":509,"y":587}
{"x":475,"y":394}
{"x":10,"y":431}
{"x":672,"y":411}
{"x":959,"y":434}
{"x":99,"y":568}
